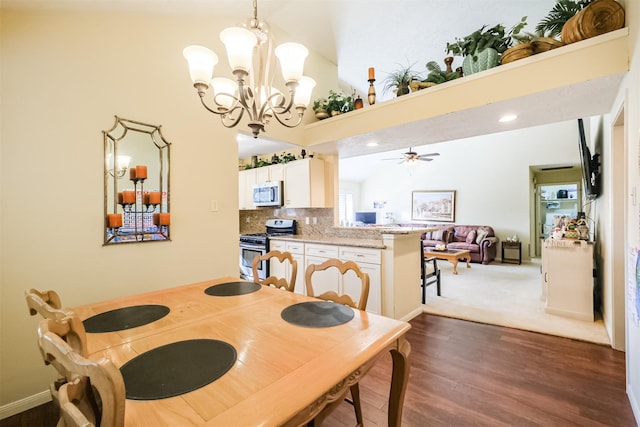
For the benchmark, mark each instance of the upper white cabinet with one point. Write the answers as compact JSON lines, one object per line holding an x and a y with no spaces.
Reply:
{"x":246,"y":180}
{"x":270,"y":173}
{"x":304,"y":184}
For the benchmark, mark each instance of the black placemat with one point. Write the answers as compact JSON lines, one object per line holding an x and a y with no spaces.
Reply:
{"x":176,"y":368}
{"x":317,"y":314}
{"x":231,"y":289}
{"x":125,"y":318}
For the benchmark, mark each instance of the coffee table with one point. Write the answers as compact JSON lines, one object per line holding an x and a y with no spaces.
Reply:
{"x":451,"y":255}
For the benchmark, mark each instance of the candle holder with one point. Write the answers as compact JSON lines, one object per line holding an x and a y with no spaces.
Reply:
{"x":371,"y":96}
{"x":138,"y":214}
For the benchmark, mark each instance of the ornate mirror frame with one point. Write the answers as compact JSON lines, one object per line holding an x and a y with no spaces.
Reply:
{"x":136,"y":183}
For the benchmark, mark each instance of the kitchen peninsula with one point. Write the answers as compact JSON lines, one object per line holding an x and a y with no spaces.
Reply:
{"x":388,"y":254}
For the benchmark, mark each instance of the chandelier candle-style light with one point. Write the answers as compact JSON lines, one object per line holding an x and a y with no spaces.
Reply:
{"x":250,"y":51}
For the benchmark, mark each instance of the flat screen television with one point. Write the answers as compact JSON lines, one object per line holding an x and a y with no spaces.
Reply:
{"x":590,"y":166}
{"x":366,"y":217}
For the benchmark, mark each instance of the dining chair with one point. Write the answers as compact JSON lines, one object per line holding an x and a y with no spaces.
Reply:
{"x":343,"y":267}
{"x":344,"y":298}
{"x":46,"y":303}
{"x":429,"y":273}
{"x":94,"y":393}
{"x":277,"y":282}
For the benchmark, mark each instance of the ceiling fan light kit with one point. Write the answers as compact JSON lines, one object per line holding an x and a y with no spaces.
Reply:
{"x":411,"y":157}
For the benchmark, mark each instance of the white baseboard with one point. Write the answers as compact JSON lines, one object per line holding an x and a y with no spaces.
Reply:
{"x":634,"y":402}
{"x":418,"y":311}
{"x":24,"y":404}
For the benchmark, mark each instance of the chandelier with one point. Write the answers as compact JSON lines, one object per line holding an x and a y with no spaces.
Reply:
{"x":250,"y":54}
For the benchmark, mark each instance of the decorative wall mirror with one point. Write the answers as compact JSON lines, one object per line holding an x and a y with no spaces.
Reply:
{"x":136,"y":183}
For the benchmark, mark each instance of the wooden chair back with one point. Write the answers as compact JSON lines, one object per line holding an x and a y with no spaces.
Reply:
{"x":45,"y":303}
{"x":343,"y":267}
{"x":277,"y":282}
{"x":79,"y":404}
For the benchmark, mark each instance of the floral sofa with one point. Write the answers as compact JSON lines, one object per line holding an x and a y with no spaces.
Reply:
{"x":479,"y":240}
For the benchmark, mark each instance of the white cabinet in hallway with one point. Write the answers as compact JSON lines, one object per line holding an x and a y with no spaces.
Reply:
{"x":567,"y":278}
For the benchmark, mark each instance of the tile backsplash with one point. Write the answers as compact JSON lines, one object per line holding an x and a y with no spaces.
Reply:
{"x":252,"y":221}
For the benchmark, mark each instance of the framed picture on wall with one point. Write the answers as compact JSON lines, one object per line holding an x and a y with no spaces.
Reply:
{"x":433,"y":205}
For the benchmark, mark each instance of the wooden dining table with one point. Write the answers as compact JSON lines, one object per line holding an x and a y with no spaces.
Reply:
{"x":284,"y":374}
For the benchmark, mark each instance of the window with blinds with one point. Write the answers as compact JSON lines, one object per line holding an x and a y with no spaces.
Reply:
{"x":345,"y":208}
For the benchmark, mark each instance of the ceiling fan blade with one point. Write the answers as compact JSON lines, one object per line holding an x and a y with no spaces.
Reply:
{"x":426,"y":159}
{"x":430,"y":155}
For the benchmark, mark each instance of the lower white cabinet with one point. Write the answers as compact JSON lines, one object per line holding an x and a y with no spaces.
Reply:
{"x":367,"y":259}
{"x":279,"y":269}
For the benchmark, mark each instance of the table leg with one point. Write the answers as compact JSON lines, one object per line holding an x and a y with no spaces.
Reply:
{"x":468,"y":261}
{"x":455,"y":265}
{"x":399,"y":379}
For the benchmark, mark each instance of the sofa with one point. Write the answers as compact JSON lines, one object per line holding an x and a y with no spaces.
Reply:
{"x":479,"y":240}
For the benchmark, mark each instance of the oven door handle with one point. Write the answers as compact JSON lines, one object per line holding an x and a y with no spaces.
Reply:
{"x":257,"y":246}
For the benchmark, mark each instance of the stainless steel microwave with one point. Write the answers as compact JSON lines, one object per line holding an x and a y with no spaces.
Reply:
{"x":268,"y":194}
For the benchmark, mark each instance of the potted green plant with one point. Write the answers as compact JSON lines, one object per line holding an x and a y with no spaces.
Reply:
{"x":339,"y":102}
{"x":398,"y":81}
{"x":482,"y":48}
{"x":561,"y":12}
{"x":321,"y":108}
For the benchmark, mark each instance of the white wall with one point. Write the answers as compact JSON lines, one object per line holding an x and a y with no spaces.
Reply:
{"x":632,"y":125}
{"x":64,"y":77}
{"x":490,"y":175}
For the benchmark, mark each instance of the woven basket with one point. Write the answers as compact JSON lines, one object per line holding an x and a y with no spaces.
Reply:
{"x":543,"y":44}
{"x":516,"y":52}
{"x":599,"y":17}
{"x":416,"y":86}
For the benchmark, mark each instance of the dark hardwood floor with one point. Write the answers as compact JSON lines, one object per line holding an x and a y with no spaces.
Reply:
{"x":472,"y":374}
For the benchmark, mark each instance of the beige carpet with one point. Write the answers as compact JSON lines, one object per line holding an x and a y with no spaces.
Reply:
{"x":505,"y":295}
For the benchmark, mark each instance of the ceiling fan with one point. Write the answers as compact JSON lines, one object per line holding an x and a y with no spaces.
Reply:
{"x":411,"y":157}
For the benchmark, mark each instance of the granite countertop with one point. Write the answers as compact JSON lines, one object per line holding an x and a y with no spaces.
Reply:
{"x":338,"y":241}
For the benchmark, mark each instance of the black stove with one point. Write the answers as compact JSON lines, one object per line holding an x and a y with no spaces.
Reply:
{"x":256,"y":244}
{"x":274,"y":227}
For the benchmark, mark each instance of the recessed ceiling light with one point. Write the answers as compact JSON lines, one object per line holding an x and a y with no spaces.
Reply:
{"x":372,"y":144}
{"x":507,"y":118}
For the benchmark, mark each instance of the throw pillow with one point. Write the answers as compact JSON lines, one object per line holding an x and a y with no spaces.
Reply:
{"x":436,"y":235}
{"x":481,"y":234}
{"x":426,"y":235}
{"x":471,"y":237}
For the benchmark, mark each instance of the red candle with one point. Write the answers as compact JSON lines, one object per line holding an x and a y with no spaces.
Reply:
{"x":132,"y":173}
{"x":141,"y":172}
{"x":371,"y":74}
{"x":154,"y":198}
{"x":120,"y":198}
{"x":128,"y":197}
{"x":114,"y":220}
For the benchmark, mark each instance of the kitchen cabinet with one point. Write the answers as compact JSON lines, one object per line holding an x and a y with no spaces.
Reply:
{"x":330,"y":280}
{"x":369,"y":261}
{"x":246,"y":180}
{"x":304,"y":184}
{"x":270,"y":173}
{"x":279,"y":269}
{"x":567,"y":278}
